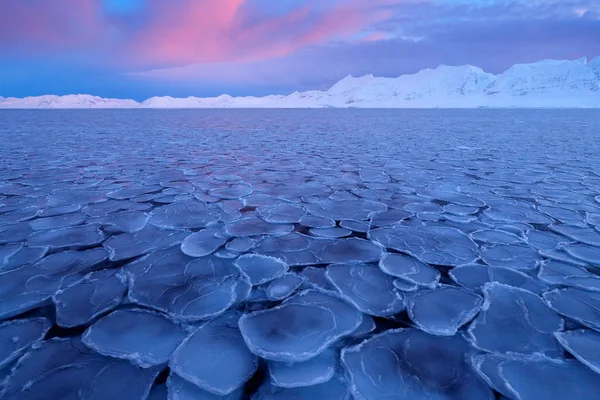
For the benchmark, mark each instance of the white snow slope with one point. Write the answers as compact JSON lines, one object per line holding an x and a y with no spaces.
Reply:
{"x":547,"y":83}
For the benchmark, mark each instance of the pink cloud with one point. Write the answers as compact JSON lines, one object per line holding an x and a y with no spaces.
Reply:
{"x":182,"y":32}
{"x":49,"y":25}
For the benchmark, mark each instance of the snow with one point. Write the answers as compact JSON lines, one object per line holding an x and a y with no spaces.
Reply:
{"x":546,"y":83}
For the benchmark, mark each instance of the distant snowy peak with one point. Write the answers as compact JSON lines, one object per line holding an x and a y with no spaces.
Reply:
{"x":68,"y":101}
{"x":548,"y":77}
{"x":546,"y":83}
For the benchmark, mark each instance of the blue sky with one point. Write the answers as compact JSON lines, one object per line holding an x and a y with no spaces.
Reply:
{"x":140,"y":48}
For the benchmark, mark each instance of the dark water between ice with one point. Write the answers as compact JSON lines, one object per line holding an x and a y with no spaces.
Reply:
{"x":300,"y":254}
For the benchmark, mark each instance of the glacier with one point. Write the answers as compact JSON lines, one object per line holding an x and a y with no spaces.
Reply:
{"x":542,"y":84}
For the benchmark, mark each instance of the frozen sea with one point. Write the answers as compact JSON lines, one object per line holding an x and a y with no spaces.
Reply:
{"x":300,"y":254}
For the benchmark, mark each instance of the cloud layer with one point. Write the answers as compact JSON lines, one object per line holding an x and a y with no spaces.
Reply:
{"x":203,"y":47}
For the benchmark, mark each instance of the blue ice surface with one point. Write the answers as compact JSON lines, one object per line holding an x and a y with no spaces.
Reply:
{"x":294,"y":254}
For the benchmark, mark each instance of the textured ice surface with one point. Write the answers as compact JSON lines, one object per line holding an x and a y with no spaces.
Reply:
{"x":536,"y":377}
{"x":515,"y":320}
{"x":126,"y":221}
{"x":444,"y":310}
{"x":180,"y":389}
{"x":564,"y":274}
{"x":336,"y":232}
{"x":584,"y":252}
{"x":584,"y":345}
{"x":182,"y":215}
{"x":261,"y":269}
{"x":184,"y":288}
{"x":66,"y":369}
{"x":169,"y":201}
{"x":577,"y":304}
{"x":202,"y":243}
{"x":254,"y":227}
{"x":18,"y":336}
{"x":127,"y":245}
{"x":282,"y":213}
{"x":475,"y":276}
{"x":215,"y":357}
{"x":97,"y":293}
{"x":514,"y":256}
{"x":296,"y":249}
{"x":317,"y":370}
{"x":432,"y":244}
{"x":284,"y":286}
{"x":367,"y":288}
{"x":76,"y":236}
{"x":32,"y":286}
{"x":335,"y":388}
{"x":410,"y":364}
{"x":582,"y":235}
{"x":59,"y":221}
{"x":145,"y":338}
{"x":495,"y":237}
{"x":409,"y":269}
{"x":355,"y":210}
{"x":16,"y":255}
{"x":301,"y":328}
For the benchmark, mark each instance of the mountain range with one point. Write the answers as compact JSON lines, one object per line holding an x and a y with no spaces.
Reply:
{"x":546,"y":83}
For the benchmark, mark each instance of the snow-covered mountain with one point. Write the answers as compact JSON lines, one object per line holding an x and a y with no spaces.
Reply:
{"x":68,"y":101}
{"x":547,"y":83}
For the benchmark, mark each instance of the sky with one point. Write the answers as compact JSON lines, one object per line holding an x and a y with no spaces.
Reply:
{"x":142,"y":48}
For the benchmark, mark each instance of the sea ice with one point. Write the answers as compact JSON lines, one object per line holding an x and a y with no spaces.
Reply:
{"x":526,"y":324}
{"x":59,"y":221}
{"x":184,"y":288}
{"x":331,"y":233}
{"x":180,"y":389}
{"x":283,"y":287}
{"x":335,"y":388}
{"x":282,"y":214}
{"x":232,"y":192}
{"x":538,"y":377}
{"x":26,"y":288}
{"x":409,"y":269}
{"x":202,"y":243}
{"x":301,"y":328}
{"x":19,"y":335}
{"x":317,"y":370}
{"x":16,"y":255}
{"x":577,"y":304}
{"x":475,"y":276}
{"x":144,"y":338}
{"x":66,"y":369}
{"x":133,"y":191}
{"x":432,"y":244}
{"x":410,"y":364}
{"x":584,"y":345}
{"x":356,"y":210}
{"x":125,"y":221}
{"x":443,"y":310}
{"x":582,"y":235}
{"x":97,"y":293}
{"x":261,"y":269}
{"x":215,"y":358}
{"x":75,"y":236}
{"x":584,"y":252}
{"x":182,"y":215}
{"x":313,"y":221}
{"x":255,"y":227}
{"x":129,"y":245}
{"x":514,"y":256}
{"x":491,"y":236}
{"x":367,"y":288}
